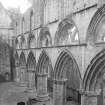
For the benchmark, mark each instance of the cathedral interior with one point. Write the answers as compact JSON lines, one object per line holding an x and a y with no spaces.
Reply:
{"x":53,"y":53}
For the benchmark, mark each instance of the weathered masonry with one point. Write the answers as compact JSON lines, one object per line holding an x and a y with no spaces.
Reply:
{"x":60,"y":51}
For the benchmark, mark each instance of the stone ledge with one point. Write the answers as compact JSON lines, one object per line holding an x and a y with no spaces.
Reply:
{"x":41,"y":98}
{"x":59,"y":81}
{"x":89,"y":93}
{"x":42,"y":75}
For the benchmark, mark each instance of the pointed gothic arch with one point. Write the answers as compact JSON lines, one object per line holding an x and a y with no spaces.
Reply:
{"x":16,"y":58}
{"x":94,"y":73}
{"x":66,"y":68}
{"x":66,"y":59}
{"x":17,"y":43}
{"x":30,"y":39}
{"x":44,"y":39}
{"x":44,"y":61}
{"x":67,"y":33}
{"x":23,"y":70}
{"x":95,"y":32}
{"x":44,"y":66}
{"x":23,"y":41}
{"x":22,"y":59}
{"x":31,"y":62}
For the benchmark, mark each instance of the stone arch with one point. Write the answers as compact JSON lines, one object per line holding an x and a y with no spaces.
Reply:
{"x":31,"y":62}
{"x":23,"y":70}
{"x":31,"y":70}
{"x":44,"y":39}
{"x":45,"y":74}
{"x":94,"y":73}
{"x":17,"y":43}
{"x":67,"y":33}
{"x":23,"y":41}
{"x":44,"y":60}
{"x":66,"y":70}
{"x":30,"y":39}
{"x":22,"y":59}
{"x":16,"y":56}
{"x":95,"y":29}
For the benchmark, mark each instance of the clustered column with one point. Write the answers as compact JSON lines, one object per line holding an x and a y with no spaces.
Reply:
{"x":42,"y":93}
{"x":89,"y":97}
{"x":17,"y":79}
{"x":31,"y":83}
{"x":59,"y":92}
{"x":23,"y":76}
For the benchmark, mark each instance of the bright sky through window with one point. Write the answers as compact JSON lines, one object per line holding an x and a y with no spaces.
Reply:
{"x":23,"y":5}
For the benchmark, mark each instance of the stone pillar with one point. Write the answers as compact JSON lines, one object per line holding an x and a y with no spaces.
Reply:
{"x":59,"y":92}
{"x":22,"y":76}
{"x":17,"y":79}
{"x":31,"y":83}
{"x":103,"y":89}
{"x":42,"y":93}
{"x":89,"y":97}
{"x":82,"y":97}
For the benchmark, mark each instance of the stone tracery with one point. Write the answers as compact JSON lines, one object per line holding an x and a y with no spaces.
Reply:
{"x":45,"y":37}
{"x":67,"y":33}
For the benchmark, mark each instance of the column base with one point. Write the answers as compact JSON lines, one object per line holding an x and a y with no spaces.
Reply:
{"x":16,"y":80}
{"x":43,"y":97}
{"x":32,"y":93}
{"x":23,"y":84}
{"x":34,"y":101}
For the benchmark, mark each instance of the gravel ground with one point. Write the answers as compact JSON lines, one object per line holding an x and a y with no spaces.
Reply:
{"x":11,"y":93}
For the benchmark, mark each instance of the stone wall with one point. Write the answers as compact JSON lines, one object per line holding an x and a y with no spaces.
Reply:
{"x":81,"y":14}
{"x":51,"y":15}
